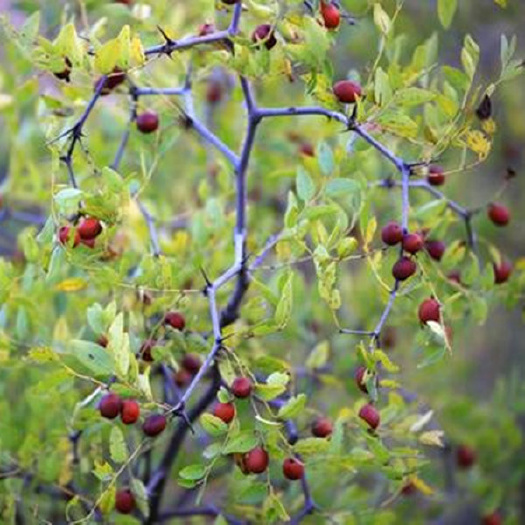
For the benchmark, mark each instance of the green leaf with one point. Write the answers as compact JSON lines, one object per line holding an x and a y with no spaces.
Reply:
{"x":242,"y":442}
{"x":213,"y":425}
{"x":293,"y":407}
{"x":119,"y":346}
{"x":193,"y":472}
{"x":141,"y":496}
{"x":305,"y":185}
{"x":311,"y":446}
{"x":380,"y":356}
{"x":92,"y":356}
{"x":325,"y":158}
{"x":342,"y":187}
{"x":381,"y":19}
{"x":446,"y":11}
{"x":284,"y":306}
{"x":414,"y":96}
{"x":117,"y":446}
{"x":470,"y":56}
{"x":318,"y":356}
{"x":269,"y":392}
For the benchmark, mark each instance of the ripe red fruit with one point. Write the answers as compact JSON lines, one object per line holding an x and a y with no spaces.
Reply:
{"x":214,"y":92}
{"x":347,"y":91}
{"x":465,"y":456}
{"x":331,"y":15}
{"x":129,"y":412}
{"x":192,"y":363}
{"x":492,"y":519}
{"x":359,"y":379}
{"x":148,"y":121}
{"x":181,"y":377}
{"x":454,"y":276}
{"x":404,"y":268}
{"x":125,"y":2}
{"x":175,"y":319}
{"x":145,"y":350}
{"x":154,"y":425}
{"x":124,"y":501}
{"x":110,"y":405}
{"x":90,"y":243}
{"x":412,"y":242}
{"x":392,"y":233}
{"x":435,"y":249}
{"x":256,"y":460}
{"x":224,"y":411}
{"x":502,"y":271}
{"x":264,"y":33}
{"x":322,"y":427}
{"x":293,"y":469}
{"x":370,"y":415}
{"x":89,"y":228}
{"x":63,"y":236}
{"x":429,"y":311}
{"x":436,"y":176}
{"x":498,"y":214}
{"x":241,"y":387}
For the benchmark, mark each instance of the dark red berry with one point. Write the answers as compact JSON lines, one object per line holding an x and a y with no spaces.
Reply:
{"x":388,"y":337}
{"x":502,"y":271}
{"x":146,"y":348}
{"x":392,"y":234}
{"x":322,"y":427}
{"x":436,"y":176}
{"x":360,"y":379}
{"x":129,"y":412}
{"x":175,"y":319}
{"x":498,"y":214}
{"x":256,"y":460}
{"x":124,"y":501}
{"x":331,"y":15}
{"x":454,"y":276}
{"x":224,"y":411}
{"x":347,"y":91}
{"x":63,"y":236}
{"x":492,"y":519}
{"x":148,"y":121}
{"x":229,"y":2}
{"x":241,"y":387}
{"x":435,"y":249}
{"x":214,"y":92}
{"x":408,"y":489}
{"x":370,"y":415}
{"x":154,"y":425}
{"x":90,"y":243}
{"x":192,"y":363}
{"x":265,"y":34}
{"x":182,"y":377}
{"x":89,"y":228}
{"x":404,"y":268}
{"x":293,"y":469}
{"x":412,"y":242}
{"x":465,"y":456}
{"x":110,"y":405}
{"x":429,"y":311}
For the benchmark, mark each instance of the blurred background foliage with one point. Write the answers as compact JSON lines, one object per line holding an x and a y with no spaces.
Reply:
{"x":477,"y":393}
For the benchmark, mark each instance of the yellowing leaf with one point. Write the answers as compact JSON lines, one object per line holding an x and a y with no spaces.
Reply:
{"x":478,"y":143}
{"x":422,"y":486}
{"x":137,"y":57}
{"x":432,"y":438}
{"x":74,"y":284}
{"x":381,"y":19}
{"x":489,"y":126}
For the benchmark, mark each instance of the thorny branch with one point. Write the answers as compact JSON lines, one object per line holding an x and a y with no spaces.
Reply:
{"x":239,"y":269}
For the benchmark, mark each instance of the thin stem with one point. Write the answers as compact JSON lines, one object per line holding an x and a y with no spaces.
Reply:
{"x":150,"y":222}
{"x":305,"y":111}
{"x":186,"y":43}
{"x":146,"y":91}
